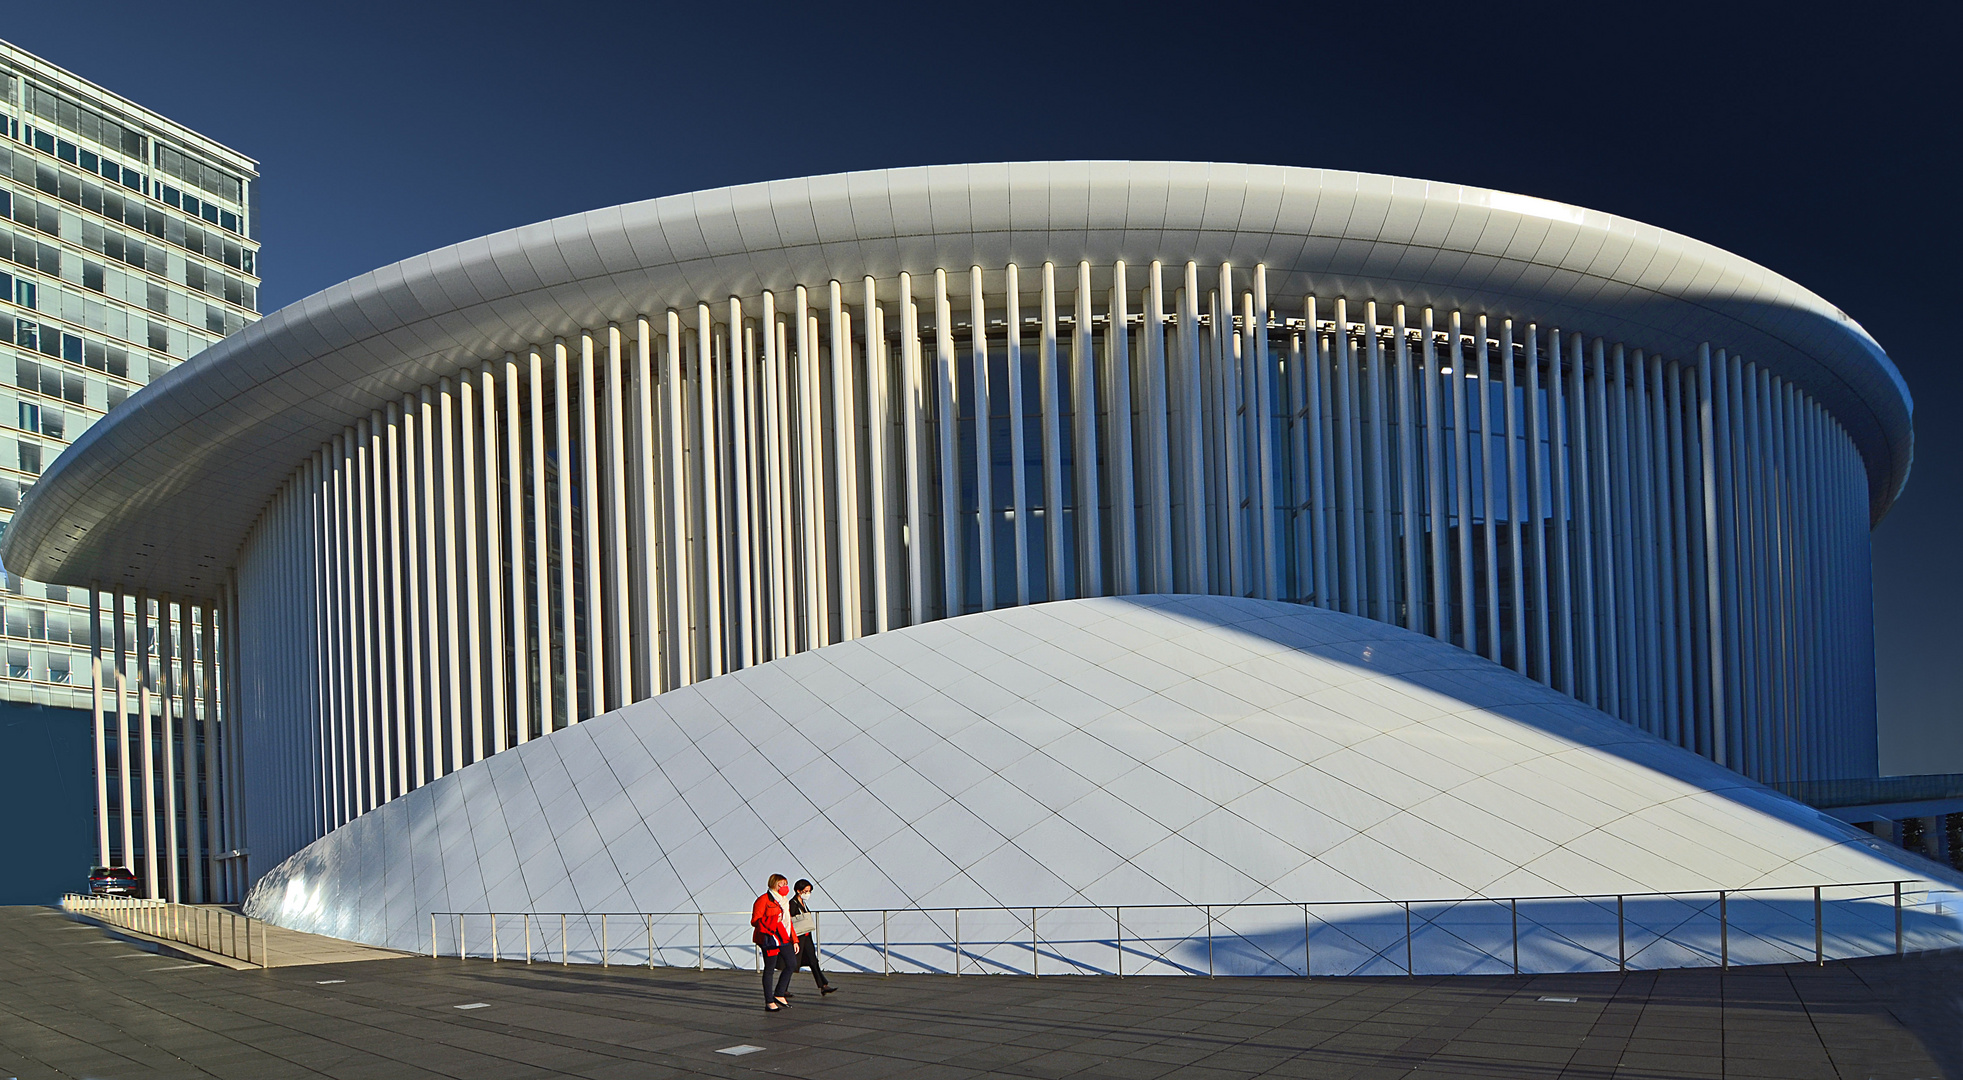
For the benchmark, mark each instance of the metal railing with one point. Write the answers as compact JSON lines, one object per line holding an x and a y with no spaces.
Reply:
{"x":212,"y":929}
{"x":1535,"y":934}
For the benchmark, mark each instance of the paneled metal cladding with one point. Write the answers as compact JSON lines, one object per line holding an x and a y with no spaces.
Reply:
{"x":563,"y":530}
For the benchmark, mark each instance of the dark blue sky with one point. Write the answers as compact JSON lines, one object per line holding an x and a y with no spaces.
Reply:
{"x":1821,"y":145}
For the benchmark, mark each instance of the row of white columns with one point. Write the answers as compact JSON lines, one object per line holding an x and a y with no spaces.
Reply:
{"x":161,"y":744}
{"x":606,"y":516}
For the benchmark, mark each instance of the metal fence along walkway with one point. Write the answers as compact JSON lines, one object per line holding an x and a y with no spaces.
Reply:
{"x":1540,"y":934}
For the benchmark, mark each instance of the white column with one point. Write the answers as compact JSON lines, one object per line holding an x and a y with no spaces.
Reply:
{"x":468,"y":567}
{"x":514,"y":535}
{"x":380,"y":543}
{"x":811,"y":518}
{"x":1537,"y":512}
{"x":215,"y":777}
{"x":1435,"y":508}
{"x":374,"y":549}
{"x":591,"y":487}
{"x":1407,"y":480}
{"x":124,"y":805}
{"x":541,"y":517}
{"x":186,"y":675}
{"x":455,"y":701}
{"x":1262,"y":410}
{"x":1192,"y":434}
{"x":1316,"y":380}
{"x":1348,"y":486}
{"x":1630,"y":675}
{"x":494,"y":569}
{"x":1378,"y":490}
{"x":1669,"y":539}
{"x":1124,"y":486}
{"x":1582,"y":517}
{"x":124,"y":802}
{"x":1609,"y":524}
{"x":1231,"y":432}
{"x":1561,"y":495}
{"x":912,"y":390}
{"x":166,"y":732}
{"x":1018,"y":438}
{"x":1083,"y":379}
{"x":777,"y":517}
{"x":619,"y":676}
{"x":681,"y":563}
{"x":1468,"y":616}
{"x":426,"y":610}
{"x":1707,"y":441}
{"x":984,"y":474}
{"x":1158,"y":419}
{"x":741,"y":398}
{"x":1514,"y":500}
{"x":1055,"y":585}
{"x":562,"y":408}
{"x":97,"y":719}
{"x":415,"y":610}
{"x":650,"y":651}
{"x":947,"y":427}
{"x":1491,"y":530}
{"x":845,"y":476}
{"x":1649,"y":599}
{"x":152,"y":887}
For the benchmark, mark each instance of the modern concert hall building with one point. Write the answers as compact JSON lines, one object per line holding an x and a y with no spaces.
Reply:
{"x":397,"y":544}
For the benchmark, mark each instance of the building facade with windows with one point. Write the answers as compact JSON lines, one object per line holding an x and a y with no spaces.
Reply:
{"x":126,"y":246}
{"x":476,"y":498}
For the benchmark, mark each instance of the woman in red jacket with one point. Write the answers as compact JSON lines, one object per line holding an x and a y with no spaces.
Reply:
{"x":773,"y":935}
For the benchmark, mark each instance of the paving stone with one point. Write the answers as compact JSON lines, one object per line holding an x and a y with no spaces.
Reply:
{"x":70,"y":1010}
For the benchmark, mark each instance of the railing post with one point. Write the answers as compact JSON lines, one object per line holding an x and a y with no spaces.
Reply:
{"x":1819,"y":931}
{"x":701,"y":954}
{"x":265,"y":960}
{"x":1035,"y":956}
{"x":1307,"y":967}
{"x":565,"y":954}
{"x":462,"y":918}
{"x":1724,"y":934}
{"x":248,"y":939}
{"x":957,"y":943}
{"x":1119,"y":913}
{"x":650,"y":921}
{"x":1514,"y":904}
{"x":1209,"y":941}
{"x":1621,"y":939}
{"x":494,"y":937}
{"x":1409,"y":967}
{"x":603,"y":940}
{"x":526,"y":919}
{"x":1898,"y":918}
{"x":885,"y":947}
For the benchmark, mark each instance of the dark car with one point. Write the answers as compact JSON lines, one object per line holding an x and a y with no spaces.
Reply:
{"x":112,"y":881}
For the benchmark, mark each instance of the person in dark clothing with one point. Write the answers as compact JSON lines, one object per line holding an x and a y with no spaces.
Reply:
{"x":774,"y":937}
{"x":804,"y":924}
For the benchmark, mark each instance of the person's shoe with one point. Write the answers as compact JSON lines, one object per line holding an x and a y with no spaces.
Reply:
{"x":828,"y":989}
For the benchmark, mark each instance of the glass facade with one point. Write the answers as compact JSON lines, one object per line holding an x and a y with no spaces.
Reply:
{"x":126,"y":246}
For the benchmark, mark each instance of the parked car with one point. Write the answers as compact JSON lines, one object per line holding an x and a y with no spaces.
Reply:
{"x":112,"y":881}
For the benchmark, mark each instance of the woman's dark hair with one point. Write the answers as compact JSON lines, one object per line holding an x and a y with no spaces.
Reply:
{"x":802,"y":884}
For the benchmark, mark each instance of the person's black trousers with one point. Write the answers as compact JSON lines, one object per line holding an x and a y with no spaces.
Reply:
{"x":807,"y":956}
{"x":777,"y":972}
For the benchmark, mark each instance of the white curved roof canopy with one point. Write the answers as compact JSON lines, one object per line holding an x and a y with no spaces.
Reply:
{"x":1183,"y":750}
{"x":162,"y":493}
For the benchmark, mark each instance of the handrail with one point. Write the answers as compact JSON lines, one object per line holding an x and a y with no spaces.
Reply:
{"x":212,"y":929}
{"x":1749,"y":935}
